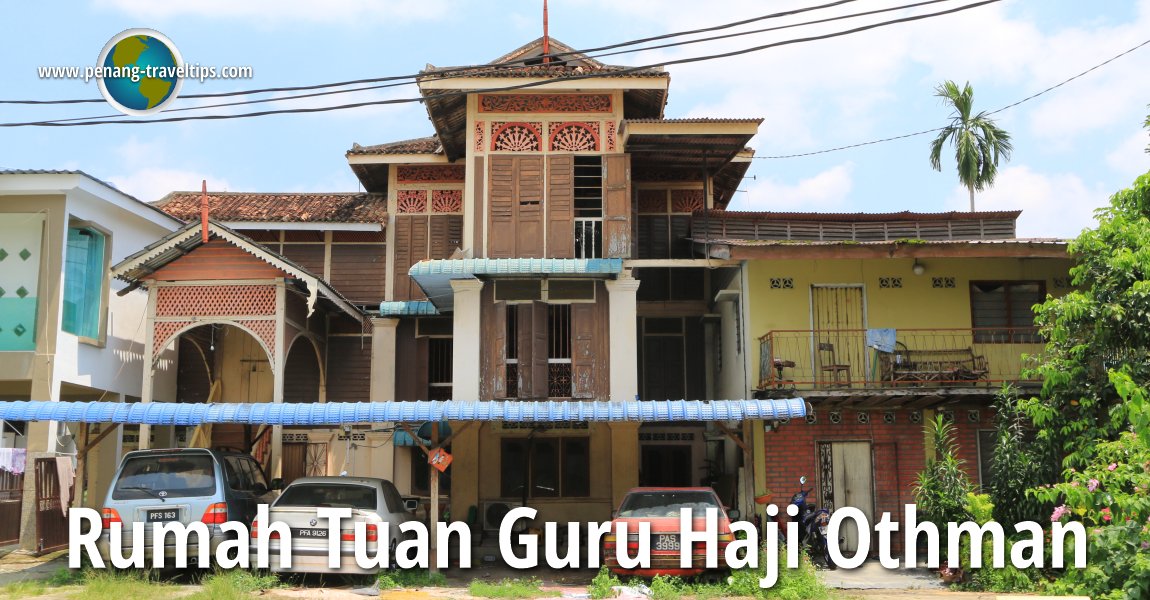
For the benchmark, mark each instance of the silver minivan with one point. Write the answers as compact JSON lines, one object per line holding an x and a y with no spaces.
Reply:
{"x":185,"y":485}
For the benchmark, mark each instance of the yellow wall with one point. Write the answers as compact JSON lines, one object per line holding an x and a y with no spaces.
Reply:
{"x":917,"y":305}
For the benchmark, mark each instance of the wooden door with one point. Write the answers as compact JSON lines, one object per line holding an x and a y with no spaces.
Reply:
{"x":847,"y":479}
{"x":617,"y":206}
{"x":838,"y":316}
{"x":583,"y":327}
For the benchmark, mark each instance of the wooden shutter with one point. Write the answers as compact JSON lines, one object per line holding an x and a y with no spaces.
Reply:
{"x":539,"y":349}
{"x":617,"y":206}
{"x":583,"y":371}
{"x":478,"y":249}
{"x":410,"y":248}
{"x":529,"y":196}
{"x":561,"y":206}
{"x":501,"y":207}
{"x":446,"y":235}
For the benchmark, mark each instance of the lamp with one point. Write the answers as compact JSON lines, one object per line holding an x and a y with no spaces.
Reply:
{"x":918,"y":268}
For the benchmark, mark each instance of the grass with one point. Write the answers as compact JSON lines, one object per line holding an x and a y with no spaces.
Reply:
{"x":793,"y":584}
{"x":410,"y":578}
{"x":117,"y":585}
{"x":234,"y":585}
{"x":24,"y":589}
{"x":509,"y":588}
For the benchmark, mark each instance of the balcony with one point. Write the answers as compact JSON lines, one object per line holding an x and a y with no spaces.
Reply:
{"x":850,"y":361}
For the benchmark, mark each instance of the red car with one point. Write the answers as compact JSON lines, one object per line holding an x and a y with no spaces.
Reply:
{"x":660,"y":507}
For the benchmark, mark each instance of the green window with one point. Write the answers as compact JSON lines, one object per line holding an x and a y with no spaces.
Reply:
{"x":84,"y":282}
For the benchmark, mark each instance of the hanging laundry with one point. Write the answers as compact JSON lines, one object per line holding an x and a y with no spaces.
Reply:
{"x":13,"y":460}
{"x":66,"y":474}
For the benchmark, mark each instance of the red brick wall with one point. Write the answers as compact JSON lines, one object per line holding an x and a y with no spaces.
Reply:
{"x":899,"y":454}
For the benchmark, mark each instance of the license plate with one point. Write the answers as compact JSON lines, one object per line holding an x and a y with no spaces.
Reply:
{"x":309,"y":534}
{"x":666,"y":542}
{"x":162,"y":516}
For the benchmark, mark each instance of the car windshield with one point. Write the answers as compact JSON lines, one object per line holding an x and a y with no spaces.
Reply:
{"x":166,"y":477}
{"x":666,"y":503}
{"x":326,"y":494}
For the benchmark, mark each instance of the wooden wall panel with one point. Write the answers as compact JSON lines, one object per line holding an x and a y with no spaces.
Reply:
{"x":349,"y":369}
{"x":359,"y":272}
{"x":478,"y":249}
{"x":217,"y":260}
{"x":617,"y":206}
{"x":308,"y":256}
{"x":561,"y":206}
{"x":584,"y":323}
{"x":406,"y":361}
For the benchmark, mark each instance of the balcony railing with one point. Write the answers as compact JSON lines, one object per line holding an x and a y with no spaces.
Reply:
{"x":912,"y":358}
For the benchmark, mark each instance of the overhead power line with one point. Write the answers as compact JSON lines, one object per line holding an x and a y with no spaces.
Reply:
{"x":457,"y":72}
{"x":617,"y":73}
{"x":522,"y":62}
{"x":995,"y":111}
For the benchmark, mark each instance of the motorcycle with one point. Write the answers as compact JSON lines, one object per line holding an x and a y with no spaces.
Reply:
{"x":812,"y":526}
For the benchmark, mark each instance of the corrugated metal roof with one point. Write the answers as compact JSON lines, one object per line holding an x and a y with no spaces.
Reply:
{"x":407,"y":309}
{"x":905,"y":215}
{"x":345,"y":413}
{"x":434,"y":276}
{"x":849,"y":243}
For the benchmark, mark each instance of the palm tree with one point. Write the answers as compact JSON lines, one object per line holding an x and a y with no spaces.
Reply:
{"x":978,"y":142}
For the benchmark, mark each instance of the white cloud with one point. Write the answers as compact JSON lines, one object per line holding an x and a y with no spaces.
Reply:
{"x":1130,"y":159}
{"x":827,"y":190}
{"x":1053,"y":205}
{"x":361,"y":12}
{"x":152,"y":183}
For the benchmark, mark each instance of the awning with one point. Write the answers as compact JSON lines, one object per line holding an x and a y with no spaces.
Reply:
{"x":346,"y":413}
{"x":434,"y":276}
{"x":418,"y":308}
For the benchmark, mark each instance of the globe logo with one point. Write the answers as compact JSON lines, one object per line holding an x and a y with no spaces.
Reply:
{"x":139,"y":71}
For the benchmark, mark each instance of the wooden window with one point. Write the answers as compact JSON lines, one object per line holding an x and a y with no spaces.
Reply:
{"x":544,"y":467}
{"x":515,"y":201}
{"x":588,"y":236}
{"x":1001,"y":313}
{"x":617,"y":206}
{"x":439,"y":377}
{"x":538,"y":343}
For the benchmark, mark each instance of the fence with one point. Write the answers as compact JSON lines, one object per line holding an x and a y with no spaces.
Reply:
{"x":852,"y":358}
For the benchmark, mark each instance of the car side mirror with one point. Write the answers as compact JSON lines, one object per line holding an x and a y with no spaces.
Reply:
{"x":734,"y":514}
{"x":411,"y":504}
{"x":803,"y":480}
{"x":277,"y":484}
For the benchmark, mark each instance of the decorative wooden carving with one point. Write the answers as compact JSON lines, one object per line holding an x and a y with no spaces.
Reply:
{"x":480,"y":126}
{"x":516,"y":137}
{"x":430,"y":173}
{"x":573,"y":137}
{"x":545,"y":103}
{"x":447,"y":201}
{"x":610,"y":136}
{"x":653,"y":201}
{"x":686,"y":201}
{"x":412,"y":201}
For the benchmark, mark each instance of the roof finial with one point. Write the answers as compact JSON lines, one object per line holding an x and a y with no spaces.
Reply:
{"x":546,"y":37}
{"x":204,"y":211}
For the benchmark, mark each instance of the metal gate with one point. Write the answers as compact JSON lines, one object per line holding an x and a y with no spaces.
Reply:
{"x":51,"y":526}
{"x":11,"y":500}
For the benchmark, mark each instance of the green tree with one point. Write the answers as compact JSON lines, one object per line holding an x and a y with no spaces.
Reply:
{"x":941,"y":489}
{"x":1099,"y":328}
{"x":978,"y":142}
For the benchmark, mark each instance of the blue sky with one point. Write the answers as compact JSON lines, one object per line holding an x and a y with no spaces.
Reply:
{"x":1073,"y":146}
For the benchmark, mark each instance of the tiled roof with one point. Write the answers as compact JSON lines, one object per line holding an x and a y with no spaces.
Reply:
{"x":544,"y":71}
{"x":905,"y":215}
{"x":279,"y":208}
{"x":1051,"y":242}
{"x":423,"y":145}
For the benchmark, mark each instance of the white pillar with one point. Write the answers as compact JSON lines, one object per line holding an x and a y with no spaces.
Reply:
{"x":465,"y":346}
{"x":624,"y":345}
{"x":383,"y":359}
